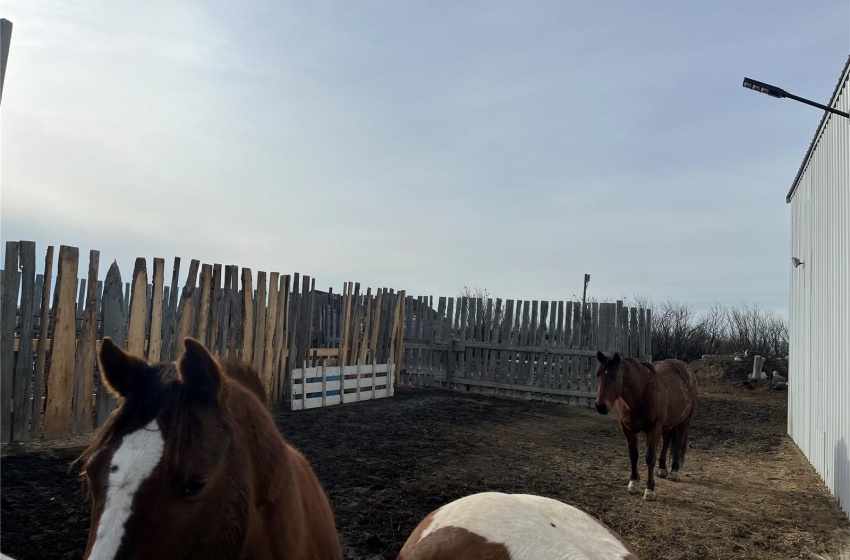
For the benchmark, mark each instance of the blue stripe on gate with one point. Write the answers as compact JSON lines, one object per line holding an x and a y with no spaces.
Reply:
{"x":319,"y":380}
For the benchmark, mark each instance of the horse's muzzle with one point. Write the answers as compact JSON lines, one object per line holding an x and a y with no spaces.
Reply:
{"x":602,"y":408}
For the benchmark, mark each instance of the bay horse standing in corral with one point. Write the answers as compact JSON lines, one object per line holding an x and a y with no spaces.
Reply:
{"x":191,"y":465}
{"x":497,"y":526}
{"x":657,"y":399}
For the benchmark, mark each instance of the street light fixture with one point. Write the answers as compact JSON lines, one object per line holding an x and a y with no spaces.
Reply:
{"x":779,"y":93}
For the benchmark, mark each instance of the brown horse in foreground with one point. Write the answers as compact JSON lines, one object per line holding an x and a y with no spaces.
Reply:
{"x":657,"y":399}
{"x":191,"y":465}
{"x":497,"y":526}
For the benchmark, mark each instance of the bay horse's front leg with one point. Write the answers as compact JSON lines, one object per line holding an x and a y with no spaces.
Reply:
{"x":652,"y":438}
{"x":632,"y":442}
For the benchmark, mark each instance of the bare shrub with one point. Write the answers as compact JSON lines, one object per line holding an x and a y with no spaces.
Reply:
{"x":758,"y":330}
{"x":679,"y":332}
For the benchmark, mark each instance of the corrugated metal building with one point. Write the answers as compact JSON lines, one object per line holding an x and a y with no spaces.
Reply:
{"x":819,"y":367}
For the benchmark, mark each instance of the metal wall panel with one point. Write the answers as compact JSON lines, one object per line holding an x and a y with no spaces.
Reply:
{"x":819,"y":368}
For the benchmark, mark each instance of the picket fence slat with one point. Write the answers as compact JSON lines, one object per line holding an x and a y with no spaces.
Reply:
{"x":114,"y":327}
{"x":57,"y":414}
{"x":37,"y":406}
{"x":24,"y":362}
{"x":8,"y":320}
{"x":81,"y":421}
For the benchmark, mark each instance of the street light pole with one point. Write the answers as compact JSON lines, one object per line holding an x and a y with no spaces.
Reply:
{"x":780,"y":93}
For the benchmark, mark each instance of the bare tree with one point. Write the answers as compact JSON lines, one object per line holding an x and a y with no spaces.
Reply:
{"x":679,"y":332}
{"x":712,"y":329}
{"x":674,"y":332}
{"x":758,"y":330}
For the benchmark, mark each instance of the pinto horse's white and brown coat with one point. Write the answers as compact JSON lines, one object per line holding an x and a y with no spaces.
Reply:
{"x":497,"y":526}
{"x":191,"y":465}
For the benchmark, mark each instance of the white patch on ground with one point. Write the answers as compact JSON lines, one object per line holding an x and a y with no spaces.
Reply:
{"x":133,"y":462}
{"x":530,"y":527}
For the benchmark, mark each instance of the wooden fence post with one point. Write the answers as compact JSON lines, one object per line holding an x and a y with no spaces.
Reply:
{"x":57,"y":415}
{"x":138,"y":309}
{"x":81,"y":422}
{"x":155,"y":337}
{"x":41,"y":351}
{"x":114,"y":327}
{"x":11,"y":285}
{"x":247,"y":352}
{"x":24,"y":365}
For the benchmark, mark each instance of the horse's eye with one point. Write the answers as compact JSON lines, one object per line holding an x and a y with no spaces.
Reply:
{"x":194,"y":485}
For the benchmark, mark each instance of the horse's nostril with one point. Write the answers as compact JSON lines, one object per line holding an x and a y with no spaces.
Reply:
{"x":601,"y":408}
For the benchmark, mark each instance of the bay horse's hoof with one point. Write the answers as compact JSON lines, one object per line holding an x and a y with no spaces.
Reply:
{"x":674,"y":476}
{"x":649,"y":495}
{"x":662,"y":473}
{"x":633,"y":489}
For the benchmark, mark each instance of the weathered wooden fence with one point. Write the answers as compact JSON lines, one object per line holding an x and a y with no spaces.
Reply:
{"x":50,"y":387}
{"x":49,"y":383}
{"x":518,"y":348}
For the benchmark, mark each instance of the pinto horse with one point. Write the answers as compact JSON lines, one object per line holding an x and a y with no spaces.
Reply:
{"x":497,"y":526}
{"x":191,"y":465}
{"x":657,"y":399}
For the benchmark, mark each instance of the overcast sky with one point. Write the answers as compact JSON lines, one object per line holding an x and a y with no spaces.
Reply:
{"x":423,"y":146}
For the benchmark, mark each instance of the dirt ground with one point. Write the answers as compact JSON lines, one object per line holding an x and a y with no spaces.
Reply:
{"x":747,"y":492}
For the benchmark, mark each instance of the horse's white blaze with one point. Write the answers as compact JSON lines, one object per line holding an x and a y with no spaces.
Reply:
{"x":133,"y":462}
{"x":530,"y":527}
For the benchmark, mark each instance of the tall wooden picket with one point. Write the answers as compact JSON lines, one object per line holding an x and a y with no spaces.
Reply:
{"x":37,"y":406}
{"x":24,"y":364}
{"x":57,"y":414}
{"x":82,"y":422}
{"x":114,"y":327}
{"x":11,"y":283}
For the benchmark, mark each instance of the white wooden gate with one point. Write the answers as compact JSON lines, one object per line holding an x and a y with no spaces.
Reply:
{"x":325,"y":386}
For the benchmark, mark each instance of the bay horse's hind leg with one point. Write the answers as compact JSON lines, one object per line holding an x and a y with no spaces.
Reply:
{"x":652,"y":438}
{"x":632,"y":442}
{"x":680,"y":444}
{"x":662,"y":459}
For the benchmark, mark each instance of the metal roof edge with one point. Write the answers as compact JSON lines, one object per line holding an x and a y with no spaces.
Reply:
{"x":818,"y":131}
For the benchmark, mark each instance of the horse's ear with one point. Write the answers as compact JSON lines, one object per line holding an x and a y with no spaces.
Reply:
{"x":120,"y":371}
{"x":199,"y":370}
{"x":600,"y":356}
{"x":616,"y":359}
